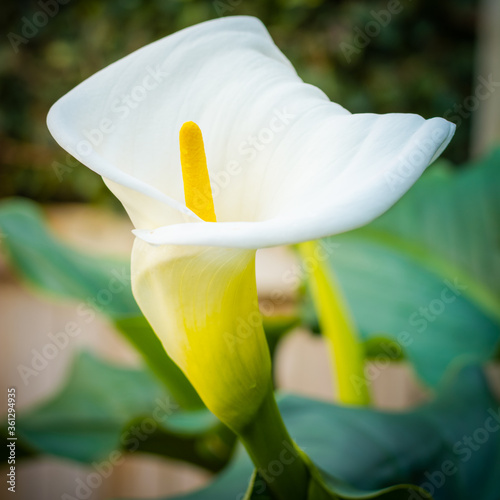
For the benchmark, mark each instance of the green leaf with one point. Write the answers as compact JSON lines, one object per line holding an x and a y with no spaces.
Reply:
{"x":51,"y":266}
{"x":426,"y":275}
{"x":363,"y":453}
{"x":103,"y":410}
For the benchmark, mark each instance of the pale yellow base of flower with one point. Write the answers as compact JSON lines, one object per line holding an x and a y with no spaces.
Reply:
{"x":202,"y":304}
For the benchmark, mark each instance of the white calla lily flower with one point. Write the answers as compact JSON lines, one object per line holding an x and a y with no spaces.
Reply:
{"x":286,"y":165}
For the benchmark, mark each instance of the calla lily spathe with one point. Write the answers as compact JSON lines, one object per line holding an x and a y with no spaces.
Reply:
{"x":286,"y":165}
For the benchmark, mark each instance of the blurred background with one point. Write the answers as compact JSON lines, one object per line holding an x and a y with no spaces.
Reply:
{"x":428,"y":58}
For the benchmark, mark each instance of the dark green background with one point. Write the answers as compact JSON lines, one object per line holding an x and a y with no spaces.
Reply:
{"x":421,"y":62}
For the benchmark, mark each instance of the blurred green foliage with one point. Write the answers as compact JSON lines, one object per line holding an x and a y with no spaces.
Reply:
{"x":420,"y":62}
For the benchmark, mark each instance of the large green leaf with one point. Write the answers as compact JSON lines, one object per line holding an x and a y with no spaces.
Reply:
{"x":51,"y":266}
{"x":443,"y":443}
{"x":104,"y":409}
{"x":427,"y":273}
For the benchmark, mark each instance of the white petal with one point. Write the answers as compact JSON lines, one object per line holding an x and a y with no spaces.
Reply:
{"x":286,"y":164}
{"x":341,"y":186}
{"x":227,"y":75}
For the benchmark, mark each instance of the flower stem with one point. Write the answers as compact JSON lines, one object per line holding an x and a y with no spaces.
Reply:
{"x":337,"y":326}
{"x":276,"y":457}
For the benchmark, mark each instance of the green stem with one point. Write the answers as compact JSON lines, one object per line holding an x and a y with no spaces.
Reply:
{"x":275,"y":455}
{"x":336,"y":326}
